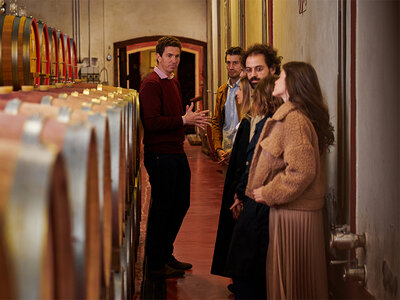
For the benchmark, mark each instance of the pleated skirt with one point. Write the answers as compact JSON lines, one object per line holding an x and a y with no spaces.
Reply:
{"x":296,"y":265}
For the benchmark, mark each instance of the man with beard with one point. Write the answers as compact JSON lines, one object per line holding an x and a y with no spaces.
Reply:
{"x":165,"y":160}
{"x":259,"y":61}
{"x":226,"y":118}
{"x":246,"y":258}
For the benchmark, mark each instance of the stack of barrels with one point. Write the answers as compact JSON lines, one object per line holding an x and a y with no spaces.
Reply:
{"x":33,"y":54}
{"x":69,"y":191}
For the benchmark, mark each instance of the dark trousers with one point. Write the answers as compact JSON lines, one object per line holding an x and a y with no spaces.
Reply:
{"x":169,"y":176}
{"x":246,"y":261}
{"x":246,"y":288}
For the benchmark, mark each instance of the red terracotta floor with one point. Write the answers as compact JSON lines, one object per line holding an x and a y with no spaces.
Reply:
{"x":195,"y":241}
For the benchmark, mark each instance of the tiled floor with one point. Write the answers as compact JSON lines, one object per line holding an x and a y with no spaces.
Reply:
{"x":195,"y":241}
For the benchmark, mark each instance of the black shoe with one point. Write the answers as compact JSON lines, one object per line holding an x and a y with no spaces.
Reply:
{"x":231,"y":288}
{"x":165,"y":272}
{"x":178,"y":265}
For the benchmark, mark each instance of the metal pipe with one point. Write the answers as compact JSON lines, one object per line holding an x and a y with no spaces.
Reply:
{"x":79,"y":29}
{"x":73,"y":18}
{"x":89,"y":32}
{"x":76,"y":22}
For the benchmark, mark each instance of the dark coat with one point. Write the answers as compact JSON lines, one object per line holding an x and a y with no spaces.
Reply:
{"x":237,"y":166}
{"x":249,"y":240}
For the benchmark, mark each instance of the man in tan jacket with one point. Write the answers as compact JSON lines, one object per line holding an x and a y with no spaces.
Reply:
{"x":226,"y":113}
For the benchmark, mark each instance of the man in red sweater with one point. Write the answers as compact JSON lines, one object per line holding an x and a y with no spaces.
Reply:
{"x":165,"y":160}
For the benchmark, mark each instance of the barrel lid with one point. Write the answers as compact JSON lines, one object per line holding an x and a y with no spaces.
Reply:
{"x":26,"y":88}
{"x":6,"y":89}
{"x":44,"y":88}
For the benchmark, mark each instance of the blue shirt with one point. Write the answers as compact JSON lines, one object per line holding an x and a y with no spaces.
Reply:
{"x":231,"y":117}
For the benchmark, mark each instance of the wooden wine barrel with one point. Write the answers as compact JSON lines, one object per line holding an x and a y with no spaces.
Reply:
{"x":44,"y":53}
{"x":78,"y":146}
{"x":20,"y":51}
{"x":132,"y":117}
{"x":53,"y":47}
{"x":133,"y":133}
{"x":128,"y":105}
{"x":118,"y":164}
{"x":101,"y":125}
{"x":35,"y":223}
{"x":76,"y":103}
{"x":62,"y":65}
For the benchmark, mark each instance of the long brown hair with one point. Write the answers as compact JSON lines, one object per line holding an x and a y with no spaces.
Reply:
{"x":246,"y":104}
{"x":305,"y":93}
{"x":263,"y":101}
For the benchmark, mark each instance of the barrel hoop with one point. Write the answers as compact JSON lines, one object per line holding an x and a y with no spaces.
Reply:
{"x":26,"y":242}
{"x":32,"y":130}
{"x":37,"y":50}
{"x":1,"y":47}
{"x":26,"y":51}
{"x":12,"y":107}
{"x":86,"y":106}
{"x":14,"y":52}
{"x":40,"y":26}
{"x":21,"y":50}
{"x":64,"y":114}
{"x":67,"y":46}
{"x":46,"y":100}
{"x":61,"y":60}
{"x":75,"y":152}
{"x":53,"y":54}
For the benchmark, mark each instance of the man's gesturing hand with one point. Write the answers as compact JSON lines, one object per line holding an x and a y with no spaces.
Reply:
{"x":197,"y":118}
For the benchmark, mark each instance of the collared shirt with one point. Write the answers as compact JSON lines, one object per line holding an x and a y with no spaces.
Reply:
{"x":231,"y":117}
{"x":162,"y":75}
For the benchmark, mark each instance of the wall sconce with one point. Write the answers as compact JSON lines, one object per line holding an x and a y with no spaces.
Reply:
{"x":302,"y":6}
{"x":109,"y":56}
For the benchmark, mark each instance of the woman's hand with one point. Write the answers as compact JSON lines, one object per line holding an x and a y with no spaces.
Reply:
{"x":257,"y":195}
{"x":236,"y":208}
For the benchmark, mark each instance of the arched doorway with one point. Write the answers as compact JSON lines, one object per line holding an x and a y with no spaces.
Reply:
{"x":135,"y":58}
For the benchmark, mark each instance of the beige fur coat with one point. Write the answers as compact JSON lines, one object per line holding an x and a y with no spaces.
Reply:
{"x":287,"y":162}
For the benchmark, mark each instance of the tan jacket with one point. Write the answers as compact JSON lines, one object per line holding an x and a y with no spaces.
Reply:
{"x":287,"y":162}
{"x":217,"y":122}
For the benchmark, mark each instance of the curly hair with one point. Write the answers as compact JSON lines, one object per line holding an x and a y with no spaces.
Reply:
{"x":272,"y":59}
{"x":263,"y":102}
{"x":305,"y":93}
{"x":167,"y":41}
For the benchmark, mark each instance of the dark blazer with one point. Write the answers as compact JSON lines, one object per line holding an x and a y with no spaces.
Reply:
{"x":237,"y":166}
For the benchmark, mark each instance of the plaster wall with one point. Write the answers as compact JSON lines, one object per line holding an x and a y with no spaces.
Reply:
{"x":312,"y":37}
{"x":378,"y":137}
{"x":235,"y":21}
{"x":118,"y":20}
{"x":223,"y":38}
{"x":253,"y":22}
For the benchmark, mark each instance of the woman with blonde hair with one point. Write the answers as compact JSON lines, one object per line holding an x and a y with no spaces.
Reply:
{"x":247,"y":253}
{"x":288,"y":175}
{"x":236,"y":167}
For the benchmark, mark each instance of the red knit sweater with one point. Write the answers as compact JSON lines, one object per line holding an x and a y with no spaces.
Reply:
{"x":161,"y":112}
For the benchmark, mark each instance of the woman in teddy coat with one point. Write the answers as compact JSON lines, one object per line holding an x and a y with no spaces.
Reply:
{"x":288,"y":174}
